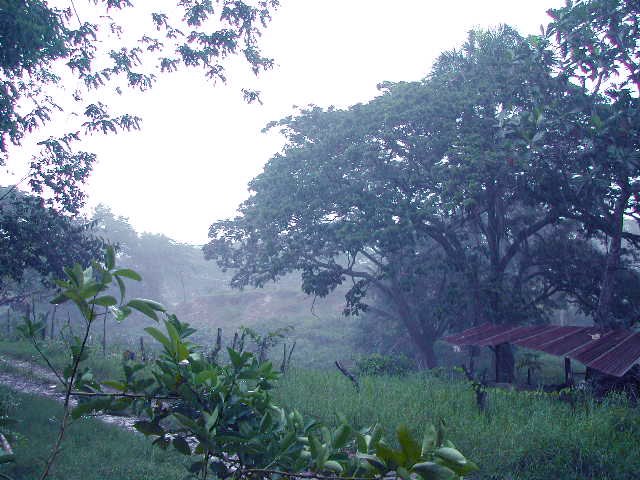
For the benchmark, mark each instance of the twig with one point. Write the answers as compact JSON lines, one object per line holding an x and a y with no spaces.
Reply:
{"x":13,"y":187}
{"x":120,"y":395}
{"x":46,"y":359}
{"x":67,"y":397}
{"x":349,"y":375}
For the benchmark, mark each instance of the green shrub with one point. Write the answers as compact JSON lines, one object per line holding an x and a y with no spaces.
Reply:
{"x":377,"y":364}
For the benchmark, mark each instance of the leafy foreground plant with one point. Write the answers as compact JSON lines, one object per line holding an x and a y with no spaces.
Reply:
{"x":223,"y":415}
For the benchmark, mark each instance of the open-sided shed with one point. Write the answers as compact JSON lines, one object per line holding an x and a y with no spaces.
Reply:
{"x":612,"y":352}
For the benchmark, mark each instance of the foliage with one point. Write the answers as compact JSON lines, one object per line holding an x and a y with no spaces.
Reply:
{"x":523,"y":435}
{"x":223,"y":414}
{"x":93,"y":449}
{"x":422,"y":195}
{"x":38,"y":239}
{"x":105,"y":48}
{"x":264,"y":342}
{"x":590,"y":135}
{"x":377,"y":364}
{"x":85,"y":288}
{"x":599,"y":41}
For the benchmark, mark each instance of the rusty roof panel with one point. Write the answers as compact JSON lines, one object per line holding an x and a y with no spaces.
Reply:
{"x":562,"y":346}
{"x":545,"y":336}
{"x":621,"y":358}
{"x":479,"y":334}
{"x":599,"y":346}
{"x":613,"y":352}
{"x":511,"y":334}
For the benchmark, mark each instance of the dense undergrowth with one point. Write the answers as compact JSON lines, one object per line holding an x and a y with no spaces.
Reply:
{"x":521,"y":436}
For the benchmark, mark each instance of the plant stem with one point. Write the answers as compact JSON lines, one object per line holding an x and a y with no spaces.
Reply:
{"x":67,"y":397}
{"x":46,"y":359}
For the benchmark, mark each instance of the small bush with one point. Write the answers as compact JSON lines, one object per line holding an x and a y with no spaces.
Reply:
{"x":377,"y":364}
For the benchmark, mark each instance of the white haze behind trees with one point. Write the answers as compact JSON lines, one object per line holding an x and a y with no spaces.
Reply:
{"x":201,"y":143}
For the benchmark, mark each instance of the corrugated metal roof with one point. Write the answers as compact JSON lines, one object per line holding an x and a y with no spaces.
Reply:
{"x":613,"y":352}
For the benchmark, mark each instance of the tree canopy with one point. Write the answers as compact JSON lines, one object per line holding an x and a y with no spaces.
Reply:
{"x":464,"y":182}
{"x":42,"y":47}
{"x":35,"y":239}
{"x":374,"y":190}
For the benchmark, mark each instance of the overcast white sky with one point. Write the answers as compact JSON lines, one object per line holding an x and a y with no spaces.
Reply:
{"x":201,"y":144}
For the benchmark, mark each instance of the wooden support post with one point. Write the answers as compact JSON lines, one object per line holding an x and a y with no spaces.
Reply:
{"x":213,"y":355}
{"x":568,"y":372}
{"x":143,"y":355}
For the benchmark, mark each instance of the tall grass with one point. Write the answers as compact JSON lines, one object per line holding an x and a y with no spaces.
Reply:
{"x":521,"y":436}
{"x":107,"y":366}
{"x":92,"y":450}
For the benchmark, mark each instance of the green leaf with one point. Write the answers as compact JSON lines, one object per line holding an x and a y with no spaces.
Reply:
{"x":428,"y":440}
{"x":121,"y":387}
{"x":391,"y":457}
{"x":266,"y":422}
{"x":410,"y":448}
{"x":160,"y":337}
{"x":128,"y":273}
{"x":374,"y":461}
{"x":236,"y":358}
{"x":148,"y":428}
{"x":210,"y":420}
{"x":317,"y":452}
{"x":110,"y":257}
{"x":120,"y":313}
{"x":90,"y":289}
{"x":362,"y":443}
{"x":341,"y":436}
{"x":434,"y":471}
{"x":187,"y":422}
{"x":105,"y":301}
{"x":181,"y":445}
{"x":143,"y":307}
{"x":333,"y":466}
{"x":59,"y":299}
{"x":206,"y":376}
{"x":450,"y":455}
{"x":122,"y":287}
{"x":456,"y":461}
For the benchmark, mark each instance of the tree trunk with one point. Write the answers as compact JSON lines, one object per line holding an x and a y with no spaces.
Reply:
{"x":427,"y":352}
{"x":603,"y":313}
{"x":504,"y":363}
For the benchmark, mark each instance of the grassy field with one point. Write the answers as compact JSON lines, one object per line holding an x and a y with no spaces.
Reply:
{"x":92,"y":450}
{"x":522,"y":436}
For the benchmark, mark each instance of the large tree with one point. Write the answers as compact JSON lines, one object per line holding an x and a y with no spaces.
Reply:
{"x":599,"y":165}
{"x":105,"y":48}
{"x":371,"y":192}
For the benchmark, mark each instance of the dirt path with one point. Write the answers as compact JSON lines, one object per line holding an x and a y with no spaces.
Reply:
{"x":37,"y":380}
